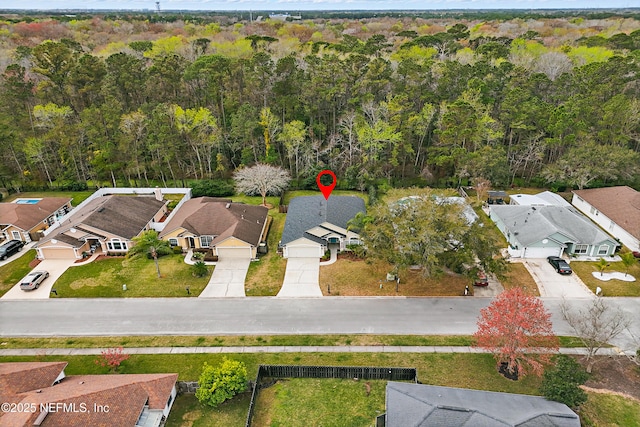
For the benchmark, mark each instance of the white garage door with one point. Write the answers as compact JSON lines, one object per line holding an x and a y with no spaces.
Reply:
{"x":234,"y":252}
{"x":303,"y":252}
{"x":541,"y":252}
{"x":58,"y":253}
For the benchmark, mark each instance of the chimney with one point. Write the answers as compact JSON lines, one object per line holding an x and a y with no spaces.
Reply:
{"x":158,"y":194}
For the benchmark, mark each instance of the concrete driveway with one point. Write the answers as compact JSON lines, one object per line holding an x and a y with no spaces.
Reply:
{"x":301,"y":278}
{"x":227,"y":279}
{"x":55,"y":267}
{"x":552,"y":284}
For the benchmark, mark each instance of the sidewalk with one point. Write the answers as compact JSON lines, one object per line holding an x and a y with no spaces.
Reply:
{"x":274,"y":349}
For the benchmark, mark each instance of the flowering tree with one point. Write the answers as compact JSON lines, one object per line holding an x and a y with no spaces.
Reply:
{"x":517,"y":329}
{"x":261,"y":179}
{"x":112,"y":358}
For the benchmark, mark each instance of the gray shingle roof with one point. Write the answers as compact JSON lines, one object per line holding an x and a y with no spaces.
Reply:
{"x":306,"y":212}
{"x":416,"y":405}
{"x":534,"y":223}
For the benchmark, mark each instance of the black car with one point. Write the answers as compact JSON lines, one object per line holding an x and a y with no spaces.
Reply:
{"x":10,"y":248}
{"x":560,"y":265}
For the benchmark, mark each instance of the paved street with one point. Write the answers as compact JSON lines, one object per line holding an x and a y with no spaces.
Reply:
{"x":263,"y":316}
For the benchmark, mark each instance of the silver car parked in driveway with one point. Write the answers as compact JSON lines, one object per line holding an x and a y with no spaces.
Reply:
{"x":33,"y":280}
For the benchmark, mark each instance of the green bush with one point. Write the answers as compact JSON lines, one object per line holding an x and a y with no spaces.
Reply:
{"x":220,"y":383}
{"x":562,"y":382}
{"x":200,"y":269}
{"x":212,"y":188}
{"x":177,"y":249}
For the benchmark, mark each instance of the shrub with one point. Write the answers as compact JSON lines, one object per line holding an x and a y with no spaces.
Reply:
{"x":200,"y":269}
{"x":112,"y":358}
{"x":212,"y":188}
{"x":220,"y":383}
{"x":562,"y":382}
{"x":176,"y":249}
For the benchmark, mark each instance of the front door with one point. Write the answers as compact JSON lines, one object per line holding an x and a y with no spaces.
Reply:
{"x":191,"y":242}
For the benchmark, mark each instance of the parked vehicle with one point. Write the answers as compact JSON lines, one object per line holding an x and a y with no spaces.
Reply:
{"x":560,"y":265}
{"x":481,"y":279}
{"x":10,"y":248}
{"x":33,"y":280}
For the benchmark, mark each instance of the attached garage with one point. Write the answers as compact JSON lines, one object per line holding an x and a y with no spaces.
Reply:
{"x":541,"y":252}
{"x":57,"y":253}
{"x":303,"y":248}
{"x":234,"y":252}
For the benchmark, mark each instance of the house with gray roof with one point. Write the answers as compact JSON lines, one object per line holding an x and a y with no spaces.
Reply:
{"x":232,"y":230}
{"x":108,"y":223}
{"x":417,"y":405}
{"x":542,"y":231}
{"x":545,"y":198}
{"x":313,"y":223}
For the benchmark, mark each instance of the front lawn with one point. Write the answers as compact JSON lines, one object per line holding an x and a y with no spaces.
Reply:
{"x":12,"y":272}
{"x":103,"y":278}
{"x":517,"y":276}
{"x":357,"y":277}
{"x":604,"y":410}
{"x":611,"y":288}
{"x":265,"y":277}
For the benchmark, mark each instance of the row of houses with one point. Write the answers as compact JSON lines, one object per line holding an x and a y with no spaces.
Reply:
{"x":535,"y":226}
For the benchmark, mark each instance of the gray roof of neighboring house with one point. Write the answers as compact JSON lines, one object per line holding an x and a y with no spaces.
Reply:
{"x":123,"y":216}
{"x":416,"y":405}
{"x":534,"y":223}
{"x":208,"y":216}
{"x":306,"y":212}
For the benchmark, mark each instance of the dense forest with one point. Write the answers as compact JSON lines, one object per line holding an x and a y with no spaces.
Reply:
{"x":99,"y":100}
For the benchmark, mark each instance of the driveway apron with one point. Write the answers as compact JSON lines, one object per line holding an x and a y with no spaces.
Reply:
{"x":227,"y":279}
{"x":552,"y":284}
{"x":301,"y":278}
{"x":55,"y":267}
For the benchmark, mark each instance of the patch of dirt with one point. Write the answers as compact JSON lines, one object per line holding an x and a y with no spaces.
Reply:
{"x":616,"y":375}
{"x":34,"y":263}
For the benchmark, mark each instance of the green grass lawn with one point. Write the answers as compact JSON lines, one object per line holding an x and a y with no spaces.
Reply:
{"x":12,"y":272}
{"x":611,"y":288}
{"x":295,"y":402}
{"x":188,"y":412}
{"x":603,"y":410}
{"x":265,"y":277}
{"x":104,"y":279}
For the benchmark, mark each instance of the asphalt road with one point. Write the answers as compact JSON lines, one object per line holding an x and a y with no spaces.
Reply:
{"x":265,"y":316}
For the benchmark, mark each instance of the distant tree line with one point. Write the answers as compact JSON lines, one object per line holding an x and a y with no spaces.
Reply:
{"x":438,"y":105}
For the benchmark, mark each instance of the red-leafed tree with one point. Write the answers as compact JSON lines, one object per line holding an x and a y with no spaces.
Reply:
{"x":517,"y":329}
{"x":112,"y":358}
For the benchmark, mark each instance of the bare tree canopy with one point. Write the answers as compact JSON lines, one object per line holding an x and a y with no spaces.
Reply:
{"x":261,"y":179}
{"x":596,"y":325}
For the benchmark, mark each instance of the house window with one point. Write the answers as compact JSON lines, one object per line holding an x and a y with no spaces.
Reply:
{"x":603,"y":250}
{"x":173,"y":242}
{"x":16,"y":235}
{"x":205,"y":241}
{"x":581,"y":249}
{"x":116,"y":245}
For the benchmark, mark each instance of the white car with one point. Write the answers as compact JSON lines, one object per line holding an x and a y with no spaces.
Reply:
{"x":32,"y":280}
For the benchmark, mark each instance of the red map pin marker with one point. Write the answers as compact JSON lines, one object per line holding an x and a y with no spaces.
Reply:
{"x":326,"y":189}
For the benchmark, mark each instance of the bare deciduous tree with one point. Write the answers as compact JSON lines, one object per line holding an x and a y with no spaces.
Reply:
{"x":595,"y":325}
{"x":261,"y":179}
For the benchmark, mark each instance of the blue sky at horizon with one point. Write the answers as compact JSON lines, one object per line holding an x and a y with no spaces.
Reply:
{"x":302,"y":5}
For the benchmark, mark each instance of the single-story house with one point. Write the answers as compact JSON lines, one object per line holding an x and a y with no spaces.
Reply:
{"x":232,"y":230}
{"x":56,"y":400}
{"x":434,"y":406}
{"x":542,"y":231}
{"x":26,"y":219}
{"x":615,"y":209}
{"x":313,"y":223}
{"x":108,"y":223}
{"x":545,"y":198}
